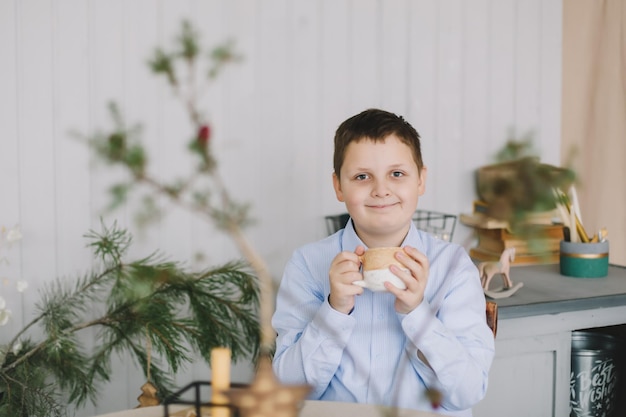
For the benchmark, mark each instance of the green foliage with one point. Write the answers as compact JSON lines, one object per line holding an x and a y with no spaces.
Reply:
{"x":134,"y":305}
{"x":516,"y":148}
{"x":519,"y":184}
{"x":187,"y":49}
{"x":220,"y":57}
{"x":161,"y":63}
{"x":188,"y":41}
{"x":121,"y":145}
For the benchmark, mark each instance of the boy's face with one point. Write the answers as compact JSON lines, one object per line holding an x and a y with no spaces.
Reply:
{"x":380,"y":185}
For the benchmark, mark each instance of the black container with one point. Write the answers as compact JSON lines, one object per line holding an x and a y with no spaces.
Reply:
{"x":595,"y":374}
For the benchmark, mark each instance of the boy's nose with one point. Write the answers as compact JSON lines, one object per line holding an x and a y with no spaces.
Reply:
{"x":381,"y":189}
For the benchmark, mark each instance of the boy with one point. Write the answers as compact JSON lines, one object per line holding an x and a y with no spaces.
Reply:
{"x":394,"y":347}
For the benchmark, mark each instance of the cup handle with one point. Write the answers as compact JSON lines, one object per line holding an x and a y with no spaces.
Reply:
{"x":360,"y":283}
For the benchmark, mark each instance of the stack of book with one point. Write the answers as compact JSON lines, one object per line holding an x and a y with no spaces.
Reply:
{"x":539,"y":244}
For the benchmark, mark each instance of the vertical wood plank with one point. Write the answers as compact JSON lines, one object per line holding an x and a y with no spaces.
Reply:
{"x":364,"y":53}
{"x":423,"y":85}
{"x":476,"y":84}
{"x":394,"y":60}
{"x":475,"y":107}
{"x":502,"y":72}
{"x":334,"y":99}
{"x":550,"y":53}
{"x":275,"y":78}
{"x":71,"y":115}
{"x":38,"y":192}
{"x":445,"y":187}
{"x":106,"y":63}
{"x":527,"y":60}
{"x":309,"y":167}
{"x":10,"y":257}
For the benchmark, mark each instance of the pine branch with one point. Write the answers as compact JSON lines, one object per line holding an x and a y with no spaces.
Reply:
{"x":26,"y":393}
{"x":150,"y":294}
{"x":47,"y":311}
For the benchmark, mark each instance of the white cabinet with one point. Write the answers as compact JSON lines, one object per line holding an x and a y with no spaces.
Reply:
{"x":530,"y":375}
{"x":527,"y":378}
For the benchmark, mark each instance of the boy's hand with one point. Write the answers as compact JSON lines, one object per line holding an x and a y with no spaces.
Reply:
{"x":417,"y":263}
{"x":344,"y":270}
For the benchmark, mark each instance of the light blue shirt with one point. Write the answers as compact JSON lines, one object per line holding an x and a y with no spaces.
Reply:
{"x":370,"y":355}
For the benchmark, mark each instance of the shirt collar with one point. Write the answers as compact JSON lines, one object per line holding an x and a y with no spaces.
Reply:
{"x":350,"y":240}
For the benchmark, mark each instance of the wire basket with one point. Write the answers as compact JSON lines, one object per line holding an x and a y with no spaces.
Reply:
{"x":336,"y":222}
{"x":440,"y":225}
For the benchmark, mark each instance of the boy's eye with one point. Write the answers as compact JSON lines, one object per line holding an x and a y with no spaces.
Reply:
{"x":361,"y":177}
{"x":397,"y":174}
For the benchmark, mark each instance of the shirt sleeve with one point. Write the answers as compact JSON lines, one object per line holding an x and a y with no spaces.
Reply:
{"x":311,"y":334}
{"x":451,"y":332}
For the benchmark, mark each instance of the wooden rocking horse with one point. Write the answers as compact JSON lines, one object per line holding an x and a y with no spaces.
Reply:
{"x":488,"y":270}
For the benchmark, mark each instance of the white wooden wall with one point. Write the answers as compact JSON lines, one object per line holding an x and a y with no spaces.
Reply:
{"x":462,"y":72}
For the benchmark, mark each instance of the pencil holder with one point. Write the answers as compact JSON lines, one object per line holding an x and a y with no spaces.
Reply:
{"x":584,"y":260}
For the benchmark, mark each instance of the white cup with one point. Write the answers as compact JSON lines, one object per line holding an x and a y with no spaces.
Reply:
{"x":376,"y":263}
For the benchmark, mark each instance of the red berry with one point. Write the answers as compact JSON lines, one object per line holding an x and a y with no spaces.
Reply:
{"x":204,"y":134}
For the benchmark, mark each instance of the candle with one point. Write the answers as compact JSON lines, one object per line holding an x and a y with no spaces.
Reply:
{"x":220,"y":371}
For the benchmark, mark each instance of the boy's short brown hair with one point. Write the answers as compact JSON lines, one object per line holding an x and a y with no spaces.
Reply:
{"x":375,"y":125}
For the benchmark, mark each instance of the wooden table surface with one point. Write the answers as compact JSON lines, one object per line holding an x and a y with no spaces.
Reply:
{"x":310,"y":409}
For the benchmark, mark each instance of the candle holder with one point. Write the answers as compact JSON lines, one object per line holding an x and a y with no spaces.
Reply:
{"x":264,"y":397}
{"x":197,"y":406}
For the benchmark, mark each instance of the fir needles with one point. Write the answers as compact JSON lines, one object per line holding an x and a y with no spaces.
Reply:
{"x":178,"y":310}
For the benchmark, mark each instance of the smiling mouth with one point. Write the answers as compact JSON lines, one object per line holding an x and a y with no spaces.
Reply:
{"x":381,"y":206}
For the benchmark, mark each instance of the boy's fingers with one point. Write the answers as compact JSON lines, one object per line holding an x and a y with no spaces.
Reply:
{"x":397,"y":292}
{"x":417,"y":256}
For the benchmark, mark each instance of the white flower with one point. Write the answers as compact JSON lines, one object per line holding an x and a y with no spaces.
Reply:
{"x":21,"y":285}
{"x":17,"y":346}
{"x":9,"y":236}
{"x":13,"y":235}
{"x":5,"y":315}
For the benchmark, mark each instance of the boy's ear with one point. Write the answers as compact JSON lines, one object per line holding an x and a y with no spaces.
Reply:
{"x":337,"y":187}
{"x":422,"y":184}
